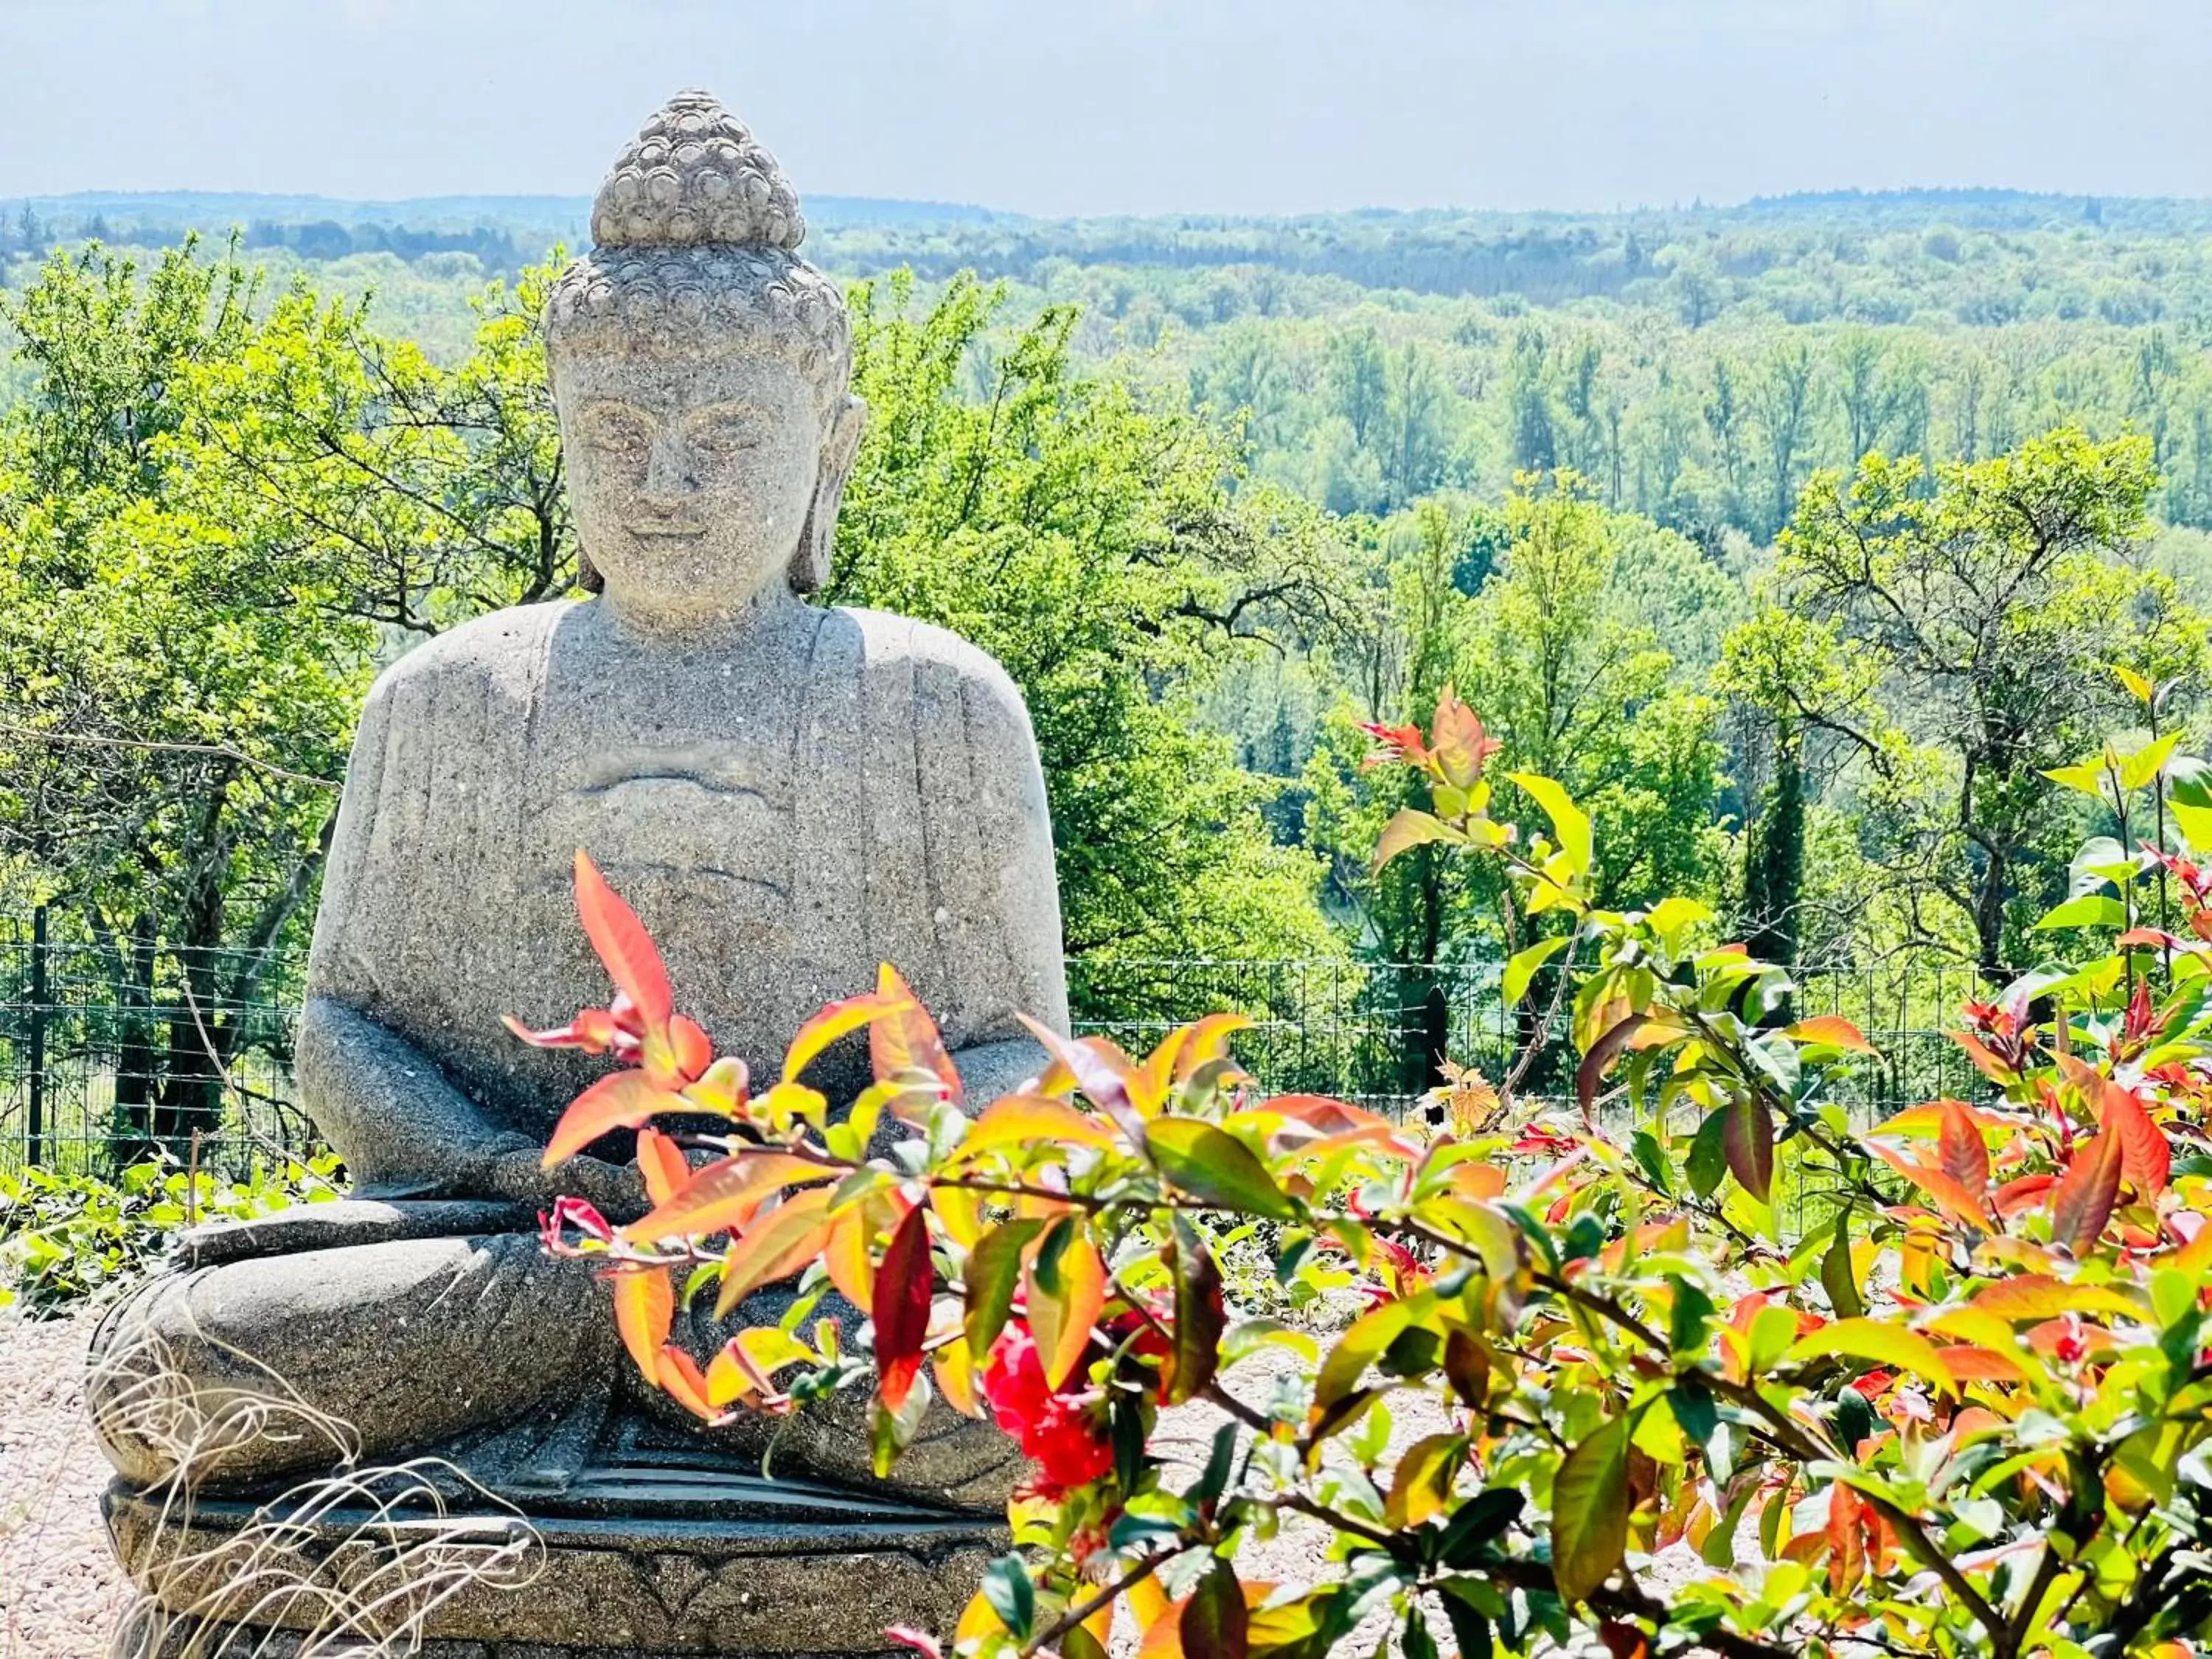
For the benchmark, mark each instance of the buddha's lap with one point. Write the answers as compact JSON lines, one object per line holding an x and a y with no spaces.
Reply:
{"x":283,"y":1360}
{"x":277,"y":1364}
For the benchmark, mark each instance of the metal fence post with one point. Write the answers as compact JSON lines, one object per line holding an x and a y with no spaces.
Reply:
{"x":35,"y":1147}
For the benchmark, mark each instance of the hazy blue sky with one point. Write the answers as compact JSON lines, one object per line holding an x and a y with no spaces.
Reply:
{"x":1260,"y":106}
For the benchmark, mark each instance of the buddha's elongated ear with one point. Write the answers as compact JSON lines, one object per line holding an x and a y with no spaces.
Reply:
{"x":840,"y":443}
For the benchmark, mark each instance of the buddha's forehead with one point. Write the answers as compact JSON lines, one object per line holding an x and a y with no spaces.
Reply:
{"x":687,"y":372}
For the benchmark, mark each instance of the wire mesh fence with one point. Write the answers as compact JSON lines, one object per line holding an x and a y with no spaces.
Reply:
{"x":114,"y":1047}
{"x":111,"y":1048}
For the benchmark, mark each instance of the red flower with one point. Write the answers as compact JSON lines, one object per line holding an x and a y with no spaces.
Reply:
{"x":1056,"y":1430}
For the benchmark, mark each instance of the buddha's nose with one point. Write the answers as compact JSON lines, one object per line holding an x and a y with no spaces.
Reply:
{"x":669,"y":471}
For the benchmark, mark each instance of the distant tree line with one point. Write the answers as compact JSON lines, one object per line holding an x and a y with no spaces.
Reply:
{"x":24,"y":231}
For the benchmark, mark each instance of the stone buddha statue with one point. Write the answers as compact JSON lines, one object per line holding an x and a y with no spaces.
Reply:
{"x":786,"y":793}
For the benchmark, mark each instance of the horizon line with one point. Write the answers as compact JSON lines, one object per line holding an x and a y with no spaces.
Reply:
{"x":580,"y":203}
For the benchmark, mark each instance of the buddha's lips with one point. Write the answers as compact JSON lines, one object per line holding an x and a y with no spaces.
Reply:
{"x":665,"y":527}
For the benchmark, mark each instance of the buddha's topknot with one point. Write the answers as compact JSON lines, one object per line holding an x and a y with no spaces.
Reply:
{"x":694,"y":174}
{"x":694,"y":228}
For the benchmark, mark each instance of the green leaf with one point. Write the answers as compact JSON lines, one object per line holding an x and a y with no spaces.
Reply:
{"x":1522,"y":967}
{"x":1836,"y":1275}
{"x":1670,"y":916}
{"x":1363,"y":1344}
{"x":2140,"y":688}
{"x":1416,"y":1643}
{"x":1483,"y":1518}
{"x":1686,"y":1320}
{"x":1214,"y":1622}
{"x":1423,"y":1483}
{"x":994,"y":1268}
{"x":2087,"y":776}
{"x":1570,"y":826}
{"x":1007,"y":1587}
{"x":1894,"y":1345}
{"x":1589,"y":1511}
{"x":2148,"y":762}
{"x":1409,"y":829}
{"x":1694,"y":1408}
{"x":1200,"y":1314}
{"x":1214,"y":1166}
{"x":1219,"y":1464}
{"x":1708,"y":1160}
{"x":2089,"y":910}
{"x":1470,"y":1630}
{"x":2194,"y":821}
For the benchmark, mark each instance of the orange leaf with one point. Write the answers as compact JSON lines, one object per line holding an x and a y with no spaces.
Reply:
{"x":632,"y":962}
{"x":1207,"y":1040}
{"x":1954,"y":1199}
{"x":620,"y":1100}
{"x":1320,"y":1112}
{"x":833,"y":1020}
{"x":2146,"y":1158}
{"x":645,"y":1310}
{"x":1149,"y":1084}
{"x":961,"y":1213}
{"x":954,"y":1367}
{"x":1846,"y":1538}
{"x":2082,"y":1202}
{"x":1989,"y":1065}
{"x":774,"y":1247}
{"x":723,"y":1196}
{"x":1478,"y":1180}
{"x":1962,"y":1151}
{"x":1066,"y":1294}
{"x":2016,"y":1195}
{"x":1147,"y":1602}
{"x":1926,"y":1121}
{"x":1833,"y":1030}
{"x":1970,"y":1363}
{"x":721,"y":1088}
{"x":1035,"y":1118}
{"x":683,"y":1382}
{"x":1457,"y":741}
{"x":593,"y":1030}
{"x":905,"y":1041}
{"x":1092,"y":1064}
{"x":746,"y":1364}
{"x":902,"y":1308}
{"x":846,"y":1255}
{"x":662,"y":1163}
{"x":693,"y":1053}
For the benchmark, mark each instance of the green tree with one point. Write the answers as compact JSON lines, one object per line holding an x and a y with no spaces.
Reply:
{"x":1955,"y":645}
{"x":216,"y":517}
{"x":179,"y":688}
{"x":1358,"y":378}
{"x":1090,"y":540}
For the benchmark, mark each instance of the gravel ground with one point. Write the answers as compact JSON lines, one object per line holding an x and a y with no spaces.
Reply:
{"x":60,"y":1590}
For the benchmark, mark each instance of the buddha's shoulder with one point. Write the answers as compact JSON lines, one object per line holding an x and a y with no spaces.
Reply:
{"x":499,"y":654}
{"x":935,"y":658}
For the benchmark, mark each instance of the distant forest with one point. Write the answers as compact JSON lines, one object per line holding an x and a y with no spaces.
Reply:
{"x":1584,"y":467}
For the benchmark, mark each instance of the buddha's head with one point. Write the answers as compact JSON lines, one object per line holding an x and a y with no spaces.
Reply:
{"x":701,"y":371}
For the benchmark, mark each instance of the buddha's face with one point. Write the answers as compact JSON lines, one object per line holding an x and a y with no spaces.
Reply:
{"x":691,"y":468}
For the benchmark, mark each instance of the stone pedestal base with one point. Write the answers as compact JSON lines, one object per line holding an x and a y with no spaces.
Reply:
{"x":626,"y":1563}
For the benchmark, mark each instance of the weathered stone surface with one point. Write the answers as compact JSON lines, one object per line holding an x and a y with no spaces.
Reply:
{"x":658,"y":1561}
{"x":786,"y":794}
